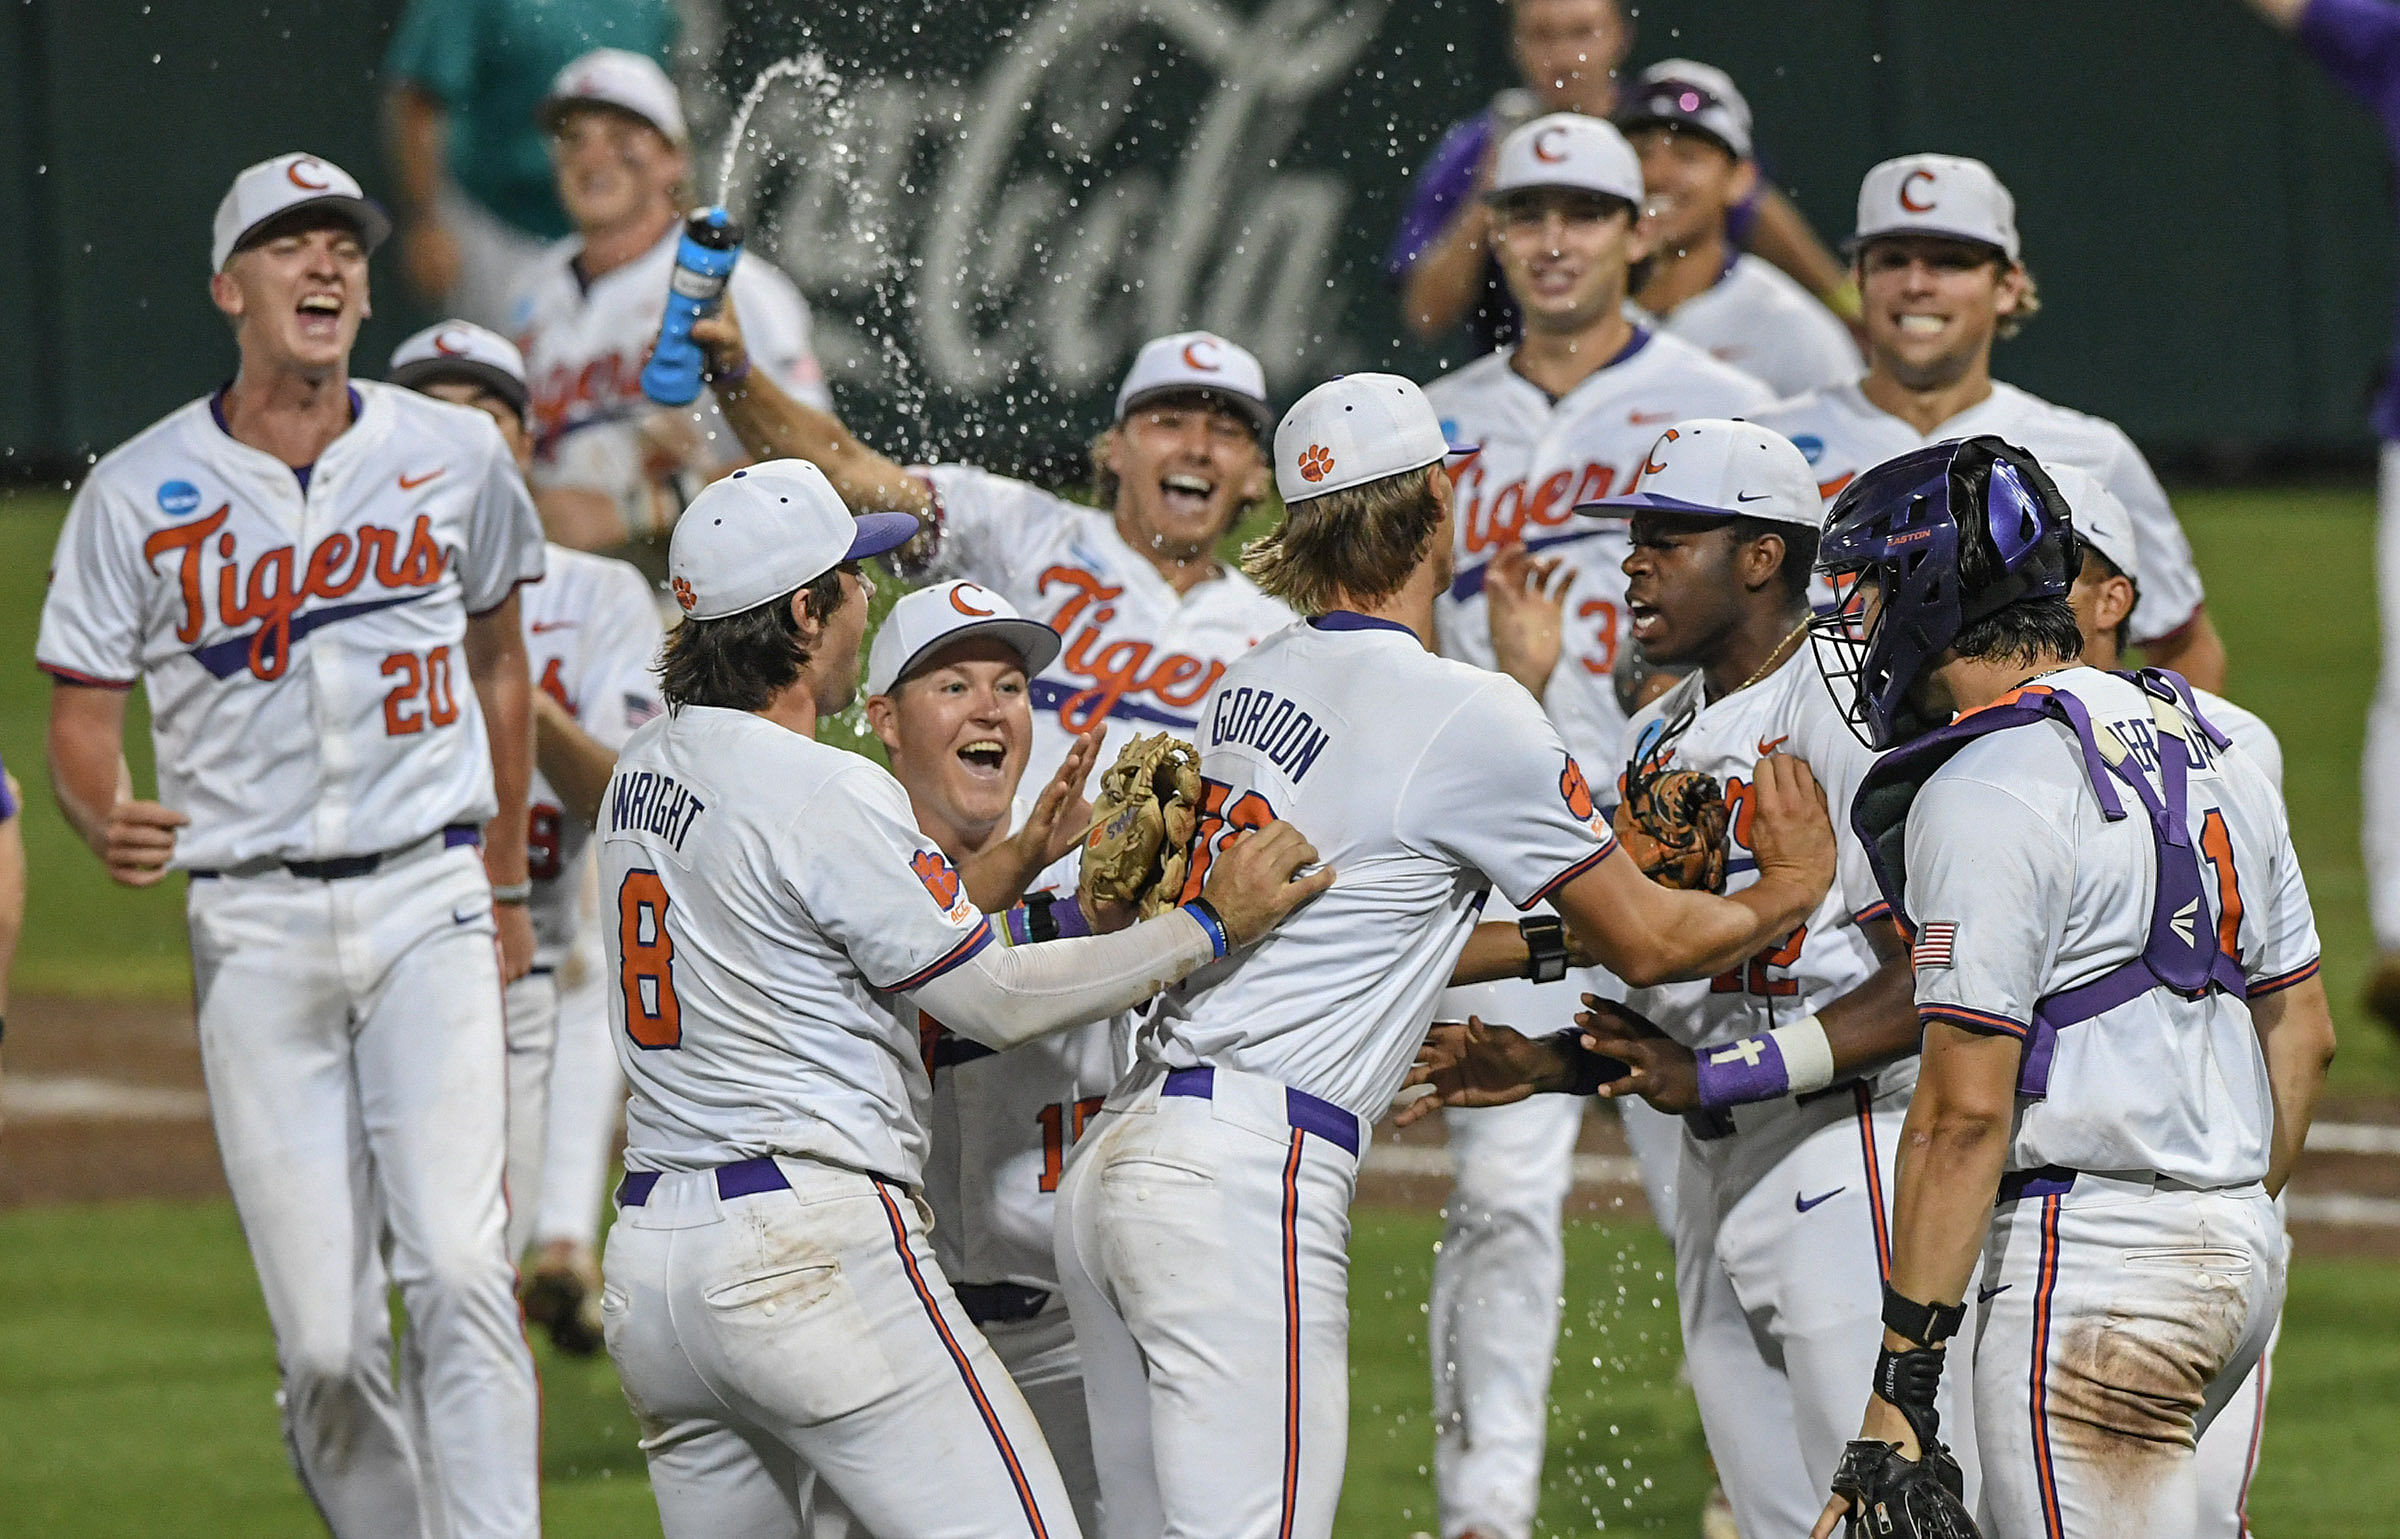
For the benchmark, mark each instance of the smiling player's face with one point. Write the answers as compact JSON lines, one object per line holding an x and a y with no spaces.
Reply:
{"x":1565,"y":254}
{"x":1689,"y":181}
{"x":958,"y":731}
{"x":1184,"y":471}
{"x":1931,"y":306}
{"x":613,"y":168}
{"x":298,"y":295}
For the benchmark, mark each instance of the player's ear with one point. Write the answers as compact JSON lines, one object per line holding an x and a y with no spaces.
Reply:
{"x":883,"y":719}
{"x":1760,"y":559}
{"x":2010,"y":295}
{"x":2116,"y":601}
{"x":1638,"y":240}
{"x":1254,"y":480}
{"x":226,"y":295}
{"x":1110,"y":450}
{"x":1742,"y":183}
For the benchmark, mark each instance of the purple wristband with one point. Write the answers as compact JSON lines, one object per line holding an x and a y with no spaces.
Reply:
{"x":1739,"y":1073}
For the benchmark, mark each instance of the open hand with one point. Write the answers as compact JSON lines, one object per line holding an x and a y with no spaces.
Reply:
{"x":1526,"y":604}
{"x":1658,"y":1069}
{"x":1467,"y":1063}
{"x":1789,"y":831}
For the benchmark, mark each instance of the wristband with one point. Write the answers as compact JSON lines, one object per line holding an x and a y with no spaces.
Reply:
{"x":1045,"y":916}
{"x":1590,"y":1070}
{"x":1202,"y":910}
{"x":1545,"y":947}
{"x":1923,"y":1324}
{"x":1790,"y":1060}
{"x":512,"y":892}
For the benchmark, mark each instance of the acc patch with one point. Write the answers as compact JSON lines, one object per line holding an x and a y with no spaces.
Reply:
{"x":941,"y":879}
{"x":1811,"y":447}
{"x":176,"y":498}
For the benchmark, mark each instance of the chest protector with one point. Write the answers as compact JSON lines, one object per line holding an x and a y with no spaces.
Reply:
{"x":2181,"y":954}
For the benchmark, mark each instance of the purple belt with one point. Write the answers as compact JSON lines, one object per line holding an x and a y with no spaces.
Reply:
{"x":2041,"y":1181}
{"x":742,"y":1178}
{"x":1306,"y":1112}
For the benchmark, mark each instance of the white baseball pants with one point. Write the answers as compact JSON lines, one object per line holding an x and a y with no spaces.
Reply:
{"x":1782,"y":1241}
{"x":2379,"y":800}
{"x":766,"y":1335}
{"x":531,"y":1004}
{"x":2112,"y":1323}
{"x":1203,"y":1244}
{"x":587,"y":1105}
{"x":352,"y":1038}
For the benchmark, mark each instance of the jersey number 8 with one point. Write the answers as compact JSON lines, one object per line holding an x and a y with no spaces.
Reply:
{"x":647,"y":973}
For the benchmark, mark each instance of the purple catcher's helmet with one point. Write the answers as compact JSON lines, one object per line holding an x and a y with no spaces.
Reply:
{"x":1896,"y":535}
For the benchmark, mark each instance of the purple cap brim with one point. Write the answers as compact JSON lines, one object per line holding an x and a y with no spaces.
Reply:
{"x":1457,"y":450}
{"x":880,"y":532}
{"x":1656,"y":503}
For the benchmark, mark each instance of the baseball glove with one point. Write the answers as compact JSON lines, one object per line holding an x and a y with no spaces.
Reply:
{"x":1896,"y":1498}
{"x":1141,"y":840}
{"x":1673,"y":823}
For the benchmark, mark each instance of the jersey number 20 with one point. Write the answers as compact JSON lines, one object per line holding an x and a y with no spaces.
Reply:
{"x":647,"y":973}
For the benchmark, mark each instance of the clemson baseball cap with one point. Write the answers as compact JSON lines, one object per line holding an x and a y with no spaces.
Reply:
{"x":1946,"y":195}
{"x":1567,"y":149}
{"x":619,"y":78}
{"x":1354,"y":429}
{"x":931,"y":619}
{"x":1197,"y":360}
{"x":273,"y":188}
{"x":766,"y":530}
{"x":463,"y":350}
{"x":2098,"y":518}
{"x":1722,"y":468}
{"x":1693,"y":96}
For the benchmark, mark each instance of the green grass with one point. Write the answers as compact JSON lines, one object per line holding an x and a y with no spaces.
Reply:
{"x":2291,"y":583}
{"x":139,"y":1383}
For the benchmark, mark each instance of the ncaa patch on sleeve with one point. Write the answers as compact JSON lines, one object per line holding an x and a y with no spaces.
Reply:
{"x":1935,"y":943}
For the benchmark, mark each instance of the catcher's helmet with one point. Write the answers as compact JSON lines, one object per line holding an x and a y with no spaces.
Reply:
{"x":1901,"y":530}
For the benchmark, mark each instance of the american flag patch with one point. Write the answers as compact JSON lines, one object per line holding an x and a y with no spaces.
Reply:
{"x":1934,"y":943}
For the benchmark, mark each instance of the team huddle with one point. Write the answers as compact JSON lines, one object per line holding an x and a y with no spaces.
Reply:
{"x":991,"y":1125}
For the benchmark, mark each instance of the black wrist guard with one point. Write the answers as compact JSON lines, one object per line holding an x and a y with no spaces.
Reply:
{"x":1590,"y":1070}
{"x":1040,"y":923}
{"x":1545,"y":947}
{"x":1923,"y":1324}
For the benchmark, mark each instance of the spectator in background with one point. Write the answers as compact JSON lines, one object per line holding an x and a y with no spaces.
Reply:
{"x":475,"y":193}
{"x":1568,"y":52}
{"x":2358,"y":43}
{"x":1692,"y":129}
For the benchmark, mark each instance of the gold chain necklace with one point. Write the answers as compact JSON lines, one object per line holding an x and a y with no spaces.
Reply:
{"x":1775,"y":659}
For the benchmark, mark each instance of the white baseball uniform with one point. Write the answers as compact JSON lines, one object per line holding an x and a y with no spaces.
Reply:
{"x":1843,"y":433}
{"x":772,"y":1299}
{"x":1760,"y":320}
{"x":1138,"y":654}
{"x":2227,"y":1453}
{"x":301,"y":639}
{"x":1782,"y":1226}
{"x":592,"y":641}
{"x":1214,"y":1320}
{"x":1496,"y":1280}
{"x":585,"y":344}
{"x":2135,"y":1266}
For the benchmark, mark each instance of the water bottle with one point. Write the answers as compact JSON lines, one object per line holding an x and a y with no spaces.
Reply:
{"x":704,"y":259}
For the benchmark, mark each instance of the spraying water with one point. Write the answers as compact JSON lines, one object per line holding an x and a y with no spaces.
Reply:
{"x":808,"y":68}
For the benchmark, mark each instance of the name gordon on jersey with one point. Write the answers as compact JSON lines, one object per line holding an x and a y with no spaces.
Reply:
{"x":279,"y":585}
{"x":1286,"y":733}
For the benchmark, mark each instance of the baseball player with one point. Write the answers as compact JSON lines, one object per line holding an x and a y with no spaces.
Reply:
{"x":1942,"y":274}
{"x":591,"y":638}
{"x":946,"y":690}
{"x":1562,"y":417}
{"x":2104,"y":595}
{"x":773,"y":1303}
{"x":12,"y":882}
{"x":1202,"y":1224}
{"x":609,"y":465}
{"x":1150,"y":618}
{"x":2125,"y":1034}
{"x":1691,"y":128}
{"x":314,"y":581}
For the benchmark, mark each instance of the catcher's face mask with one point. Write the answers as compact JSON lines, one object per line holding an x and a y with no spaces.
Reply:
{"x":1891,"y":548}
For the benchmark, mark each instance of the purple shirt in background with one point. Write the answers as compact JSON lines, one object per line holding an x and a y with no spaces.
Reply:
{"x":2358,"y":43}
{"x":1444,"y":185}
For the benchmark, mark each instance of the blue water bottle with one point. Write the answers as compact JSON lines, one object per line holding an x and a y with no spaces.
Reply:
{"x":704,"y":259}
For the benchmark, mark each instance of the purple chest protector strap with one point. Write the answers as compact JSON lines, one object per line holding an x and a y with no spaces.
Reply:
{"x":2181,"y":952}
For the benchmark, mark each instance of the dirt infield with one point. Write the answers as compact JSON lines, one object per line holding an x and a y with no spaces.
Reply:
{"x":101,"y":1100}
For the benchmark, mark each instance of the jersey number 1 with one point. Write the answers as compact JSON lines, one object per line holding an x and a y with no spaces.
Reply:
{"x":647,"y":973}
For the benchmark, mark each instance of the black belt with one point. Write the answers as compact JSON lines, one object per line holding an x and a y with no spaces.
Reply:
{"x":1000,"y":1303}
{"x":341,"y":867}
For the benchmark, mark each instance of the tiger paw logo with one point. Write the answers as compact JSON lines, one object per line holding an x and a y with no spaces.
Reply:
{"x":684,"y":594}
{"x":1316,"y":463}
{"x":941,"y":880}
{"x":1577,"y":791}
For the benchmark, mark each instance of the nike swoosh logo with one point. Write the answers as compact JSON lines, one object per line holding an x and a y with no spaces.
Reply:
{"x":1988,"y":1294}
{"x":411,"y":483}
{"x":1766,"y":747}
{"x":1752,"y":497}
{"x":543,"y":627}
{"x":467,"y":915}
{"x":1802,"y":1204}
